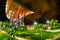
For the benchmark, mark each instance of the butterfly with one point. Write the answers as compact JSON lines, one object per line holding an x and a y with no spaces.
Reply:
{"x":15,"y":11}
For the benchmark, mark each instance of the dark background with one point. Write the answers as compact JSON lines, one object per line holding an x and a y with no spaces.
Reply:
{"x":2,"y":10}
{"x":3,"y":16}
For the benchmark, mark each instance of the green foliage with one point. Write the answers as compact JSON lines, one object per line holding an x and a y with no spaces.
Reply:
{"x":7,"y":28}
{"x":7,"y":25}
{"x":22,"y":34}
{"x":34,"y":34}
{"x":54,"y":24}
{"x":38,"y":26}
{"x":6,"y":37}
{"x":58,"y":38}
{"x":22,"y":28}
{"x":3,"y":36}
{"x":39,"y":34}
{"x":47,"y":35}
{"x":1,"y":24}
{"x":11,"y":32}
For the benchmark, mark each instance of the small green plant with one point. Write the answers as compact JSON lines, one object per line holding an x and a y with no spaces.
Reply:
{"x":38,"y":26}
{"x":7,"y":24}
{"x":54,"y":24}
{"x":22,"y":28}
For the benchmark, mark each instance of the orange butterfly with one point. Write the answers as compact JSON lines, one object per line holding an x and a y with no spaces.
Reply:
{"x":18,"y":10}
